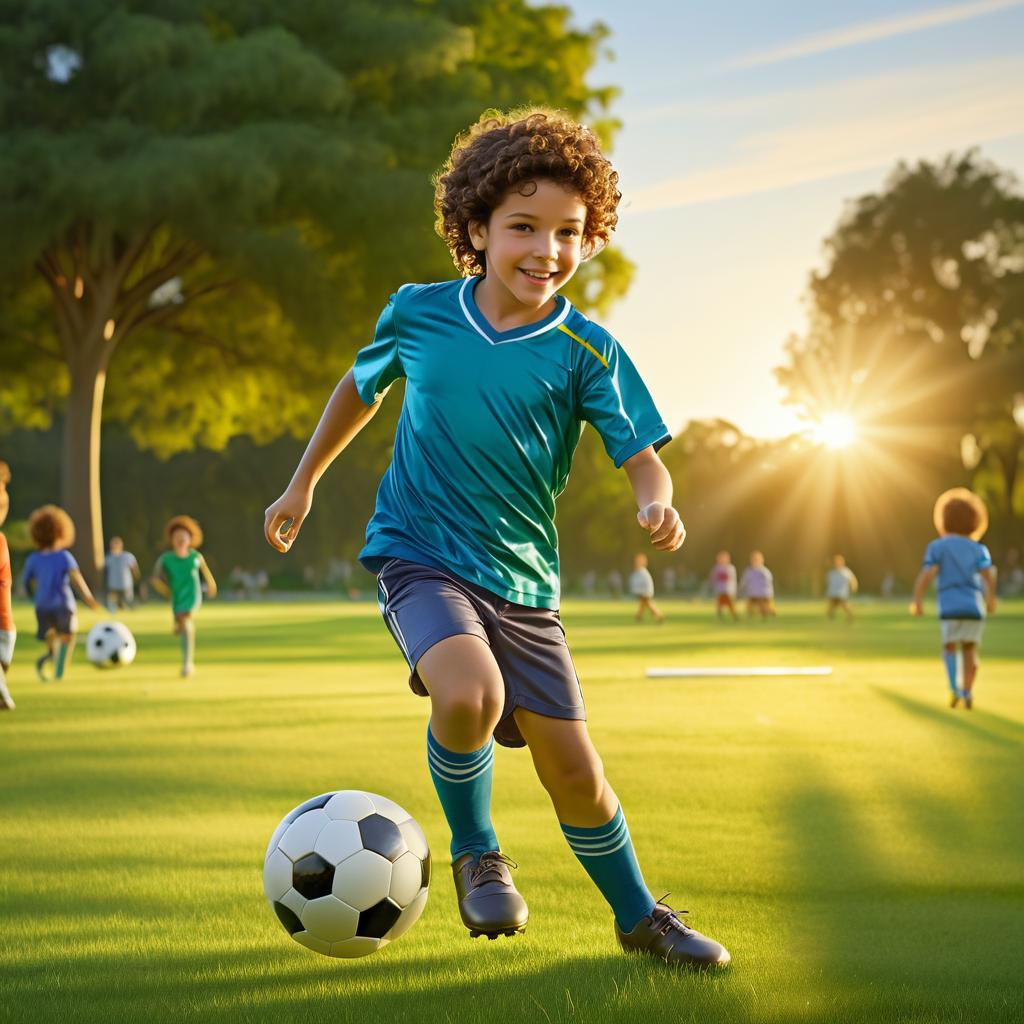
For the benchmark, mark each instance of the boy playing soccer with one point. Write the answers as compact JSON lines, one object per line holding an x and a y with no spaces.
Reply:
{"x":8,"y":634}
{"x":501,"y":373}
{"x":176,"y":576}
{"x":840,"y":583}
{"x":47,"y":576}
{"x":966,"y":585}
{"x":723,"y":585}
{"x":641,"y":586}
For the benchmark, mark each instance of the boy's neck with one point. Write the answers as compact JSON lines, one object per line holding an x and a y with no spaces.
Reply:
{"x":503,"y":310}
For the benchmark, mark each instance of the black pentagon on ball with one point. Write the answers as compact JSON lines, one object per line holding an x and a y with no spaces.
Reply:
{"x":288,"y":918}
{"x":383,"y":836}
{"x":312,"y":876}
{"x":376,"y":922}
{"x":312,"y":804}
{"x":425,"y":870}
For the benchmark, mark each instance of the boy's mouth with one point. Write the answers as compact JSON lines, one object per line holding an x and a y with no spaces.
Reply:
{"x":540,"y":276}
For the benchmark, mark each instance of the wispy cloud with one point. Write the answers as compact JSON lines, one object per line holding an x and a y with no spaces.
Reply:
{"x":870,"y":31}
{"x":850,"y":127}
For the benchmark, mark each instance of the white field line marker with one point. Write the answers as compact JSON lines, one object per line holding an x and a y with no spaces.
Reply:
{"x":756,"y":670}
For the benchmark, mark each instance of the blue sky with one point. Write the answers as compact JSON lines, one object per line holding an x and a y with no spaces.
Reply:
{"x":746,"y":127}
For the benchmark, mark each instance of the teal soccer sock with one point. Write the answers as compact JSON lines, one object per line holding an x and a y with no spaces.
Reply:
{"x":949,"y":660}
{"x":62,"y":654}
{"x":463,"y":784}
{"x":607,"y":854}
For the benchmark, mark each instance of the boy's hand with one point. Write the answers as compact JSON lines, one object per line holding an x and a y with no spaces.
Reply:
{"x":990,"y":604}
{"x":916,"y":608}
{"x":291,"y":508}
{"x":93,"y":604}
{"x":663,"y":523}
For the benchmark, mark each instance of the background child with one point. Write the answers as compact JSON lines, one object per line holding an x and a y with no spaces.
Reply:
{"x":966,"y":584}
{"x":176,"y":576}
{"x":121,"y":573}
{"x":723,"y":585}
{"x":759,"y":586}
{"x":501,"y":371}
{"x":48,"y":575}
{"x":641,"y":586}
{"x":839,"y":584}
{"x":8,"y":634}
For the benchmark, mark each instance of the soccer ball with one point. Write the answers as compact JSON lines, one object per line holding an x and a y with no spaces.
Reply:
{"x":347,"y":873}
{"x":110,"y":643}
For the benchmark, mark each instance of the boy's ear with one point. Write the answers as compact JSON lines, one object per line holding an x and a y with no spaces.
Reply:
{"x":477,"y":234}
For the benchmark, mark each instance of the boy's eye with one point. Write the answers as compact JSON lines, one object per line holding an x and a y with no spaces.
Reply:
{"x":571,"y":232}
{"x":519,"y":227}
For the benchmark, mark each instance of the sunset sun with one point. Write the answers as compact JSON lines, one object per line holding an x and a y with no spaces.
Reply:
{"x":836,"y":430}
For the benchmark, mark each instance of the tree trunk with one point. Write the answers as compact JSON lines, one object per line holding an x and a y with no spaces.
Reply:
{"x":80,"y":466}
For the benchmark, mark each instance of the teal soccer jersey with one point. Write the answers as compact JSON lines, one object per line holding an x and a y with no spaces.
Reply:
{"x":487,"y":434}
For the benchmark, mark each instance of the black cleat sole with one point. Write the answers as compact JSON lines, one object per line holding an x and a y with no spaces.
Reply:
{"x":475,"y":933}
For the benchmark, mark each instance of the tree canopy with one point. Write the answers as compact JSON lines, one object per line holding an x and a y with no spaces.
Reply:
{"x":212,"y":199}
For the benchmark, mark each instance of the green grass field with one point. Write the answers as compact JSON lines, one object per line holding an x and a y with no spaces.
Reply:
{"x":857,"y":845}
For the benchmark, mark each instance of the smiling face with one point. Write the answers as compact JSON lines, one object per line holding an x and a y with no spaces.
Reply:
{"x":181,"y":541}
{"x":532,"y":245}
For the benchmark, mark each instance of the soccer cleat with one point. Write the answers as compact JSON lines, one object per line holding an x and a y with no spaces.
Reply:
{"x":489,"y":903}
{"x":43,"y":677}
{"x":664,"y":936}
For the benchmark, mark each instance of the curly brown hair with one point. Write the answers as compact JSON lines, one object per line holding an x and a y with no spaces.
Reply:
{"x":502,"y":152}
{"x":51,"y":527}
{"x":185,"y":523}
{"x":960,"y":516}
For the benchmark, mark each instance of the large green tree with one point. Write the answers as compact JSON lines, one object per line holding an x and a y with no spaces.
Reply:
{"x":917,"y":322}
{"x":211,"y":199}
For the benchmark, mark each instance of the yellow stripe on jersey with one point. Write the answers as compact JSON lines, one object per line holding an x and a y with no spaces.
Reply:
{"x":585,"y":344}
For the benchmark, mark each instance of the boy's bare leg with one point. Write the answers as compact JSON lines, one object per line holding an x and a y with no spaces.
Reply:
{"x":467,"y":696}
{"x":970,"y":652}
{"x":592,"y":822}
{"x":466,"y":690}
{"x":51,"y":646}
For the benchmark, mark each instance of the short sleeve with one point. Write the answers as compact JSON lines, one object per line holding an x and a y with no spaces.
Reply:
{"x":984,"y":558}
{"x":379,"y":365}
{"x":931,"y":555}
{"x":613,"y":398}
{"x":70,"y":565}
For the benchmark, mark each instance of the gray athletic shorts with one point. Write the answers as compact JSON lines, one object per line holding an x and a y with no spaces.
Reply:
{"x":422,"y":605}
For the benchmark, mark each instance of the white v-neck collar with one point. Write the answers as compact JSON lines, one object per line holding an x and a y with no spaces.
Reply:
{"x":530,"y":330}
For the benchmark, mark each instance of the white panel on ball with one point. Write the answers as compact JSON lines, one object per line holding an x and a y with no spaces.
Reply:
{"x":358,"y":946}
{"x":409,"y":917}
{"x":313,"y":943}
{"x":414,"y":838}
{"x":294,"y":901}
{"x":362,"y":880}
{"x":406,"y":879}
{"x":349,"y":804}
{"x":338,"y":840}
{"x":301,"y":834}
{"x":329,"y":919}
{"x":277,"y":875}
{"x":389,"y":809}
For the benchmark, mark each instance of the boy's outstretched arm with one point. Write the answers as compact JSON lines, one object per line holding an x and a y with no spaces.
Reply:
{"x":157,"y":581}
{"x":652,"y":488}
{"x":989,"y":577}
{"x":344,"y":416}
{"x":83,"y":588}
{"x":211,"y":583}
{"x":921,"y":584}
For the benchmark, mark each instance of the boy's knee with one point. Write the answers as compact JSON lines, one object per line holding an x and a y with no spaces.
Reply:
{"x":476,"y":706}
{"x":581,"y":781}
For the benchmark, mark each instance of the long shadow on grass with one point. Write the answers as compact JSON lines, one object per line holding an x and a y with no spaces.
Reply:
{"x":882,"y":949}
{"x":275,"y":983}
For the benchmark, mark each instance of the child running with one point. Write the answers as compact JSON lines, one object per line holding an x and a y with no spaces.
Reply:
{"x":641,"y":586}
{"x":8,"y":634}
{"x":501,"y":373}
{"x":840,"y":583}
{"x":723,"y":585}
{"x":121,"y":573}
{"x":48,"y":575}
{"x":966,"y":585}
{"x":176,"y":576}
